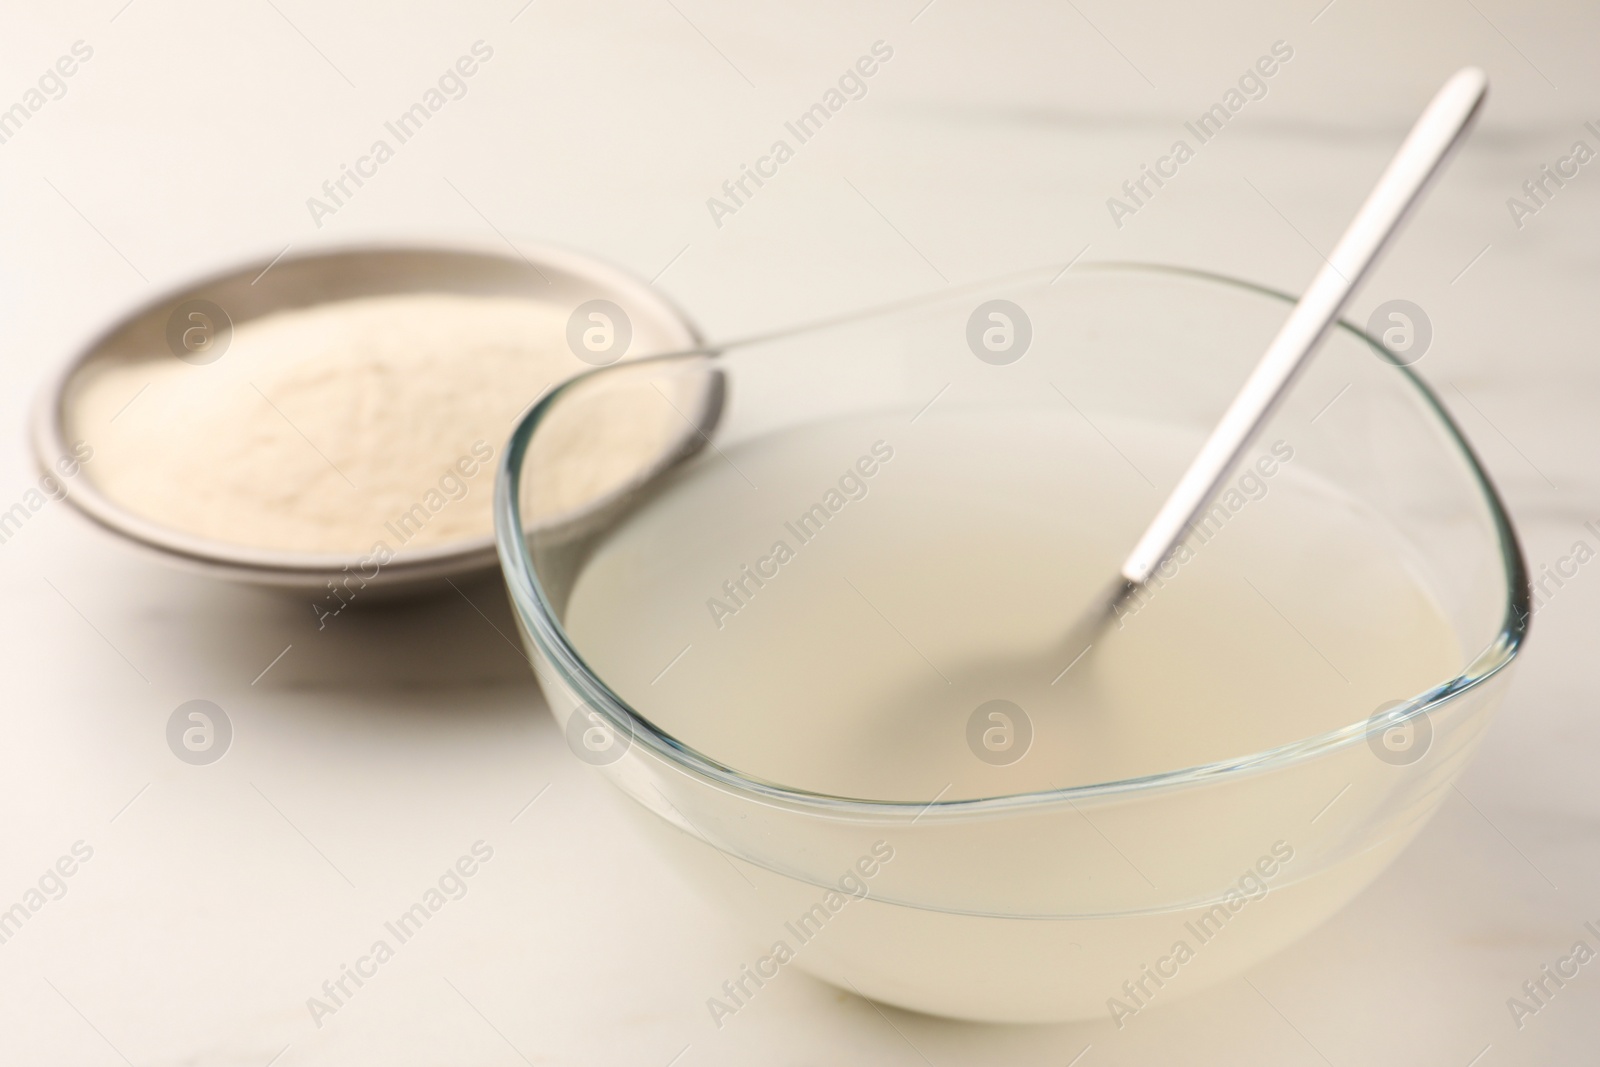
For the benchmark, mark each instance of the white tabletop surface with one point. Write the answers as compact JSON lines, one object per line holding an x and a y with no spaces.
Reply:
{"x":372,"y":754}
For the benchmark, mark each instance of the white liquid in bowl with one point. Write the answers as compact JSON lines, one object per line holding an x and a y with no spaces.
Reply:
{"x":945,"y":580}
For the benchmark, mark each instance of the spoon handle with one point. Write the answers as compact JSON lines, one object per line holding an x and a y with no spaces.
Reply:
{"x":1436,"y":134}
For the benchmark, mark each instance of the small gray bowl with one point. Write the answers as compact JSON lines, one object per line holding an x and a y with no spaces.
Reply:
{"x":254,"y":289}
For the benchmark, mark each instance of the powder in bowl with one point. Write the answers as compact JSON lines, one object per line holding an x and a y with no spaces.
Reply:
{"x":328,"y":428}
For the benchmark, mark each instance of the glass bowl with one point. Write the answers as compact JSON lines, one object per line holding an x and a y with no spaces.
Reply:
{"x":1266,"y":796}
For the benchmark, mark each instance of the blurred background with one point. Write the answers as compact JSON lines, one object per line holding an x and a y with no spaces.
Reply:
{"x":368,"y":756}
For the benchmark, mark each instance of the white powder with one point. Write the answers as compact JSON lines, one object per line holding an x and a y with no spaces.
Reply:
{"x":330,"y":428}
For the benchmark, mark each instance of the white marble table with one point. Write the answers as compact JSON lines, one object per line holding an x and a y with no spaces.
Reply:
{"x":372,"y":755}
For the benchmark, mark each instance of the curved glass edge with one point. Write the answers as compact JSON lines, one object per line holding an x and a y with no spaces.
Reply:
{"x":537,"y":618}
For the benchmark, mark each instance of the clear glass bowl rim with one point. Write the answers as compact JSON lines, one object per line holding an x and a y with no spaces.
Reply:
{"x":538,"y":617}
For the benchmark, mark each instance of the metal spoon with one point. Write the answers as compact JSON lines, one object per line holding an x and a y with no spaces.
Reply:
{"x":1436,"y":134}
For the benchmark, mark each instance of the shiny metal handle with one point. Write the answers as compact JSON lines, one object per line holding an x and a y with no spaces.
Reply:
{"x":1436,"y":134}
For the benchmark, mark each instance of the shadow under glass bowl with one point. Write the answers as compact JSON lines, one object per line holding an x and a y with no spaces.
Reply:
{"x":1038,"y":904}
